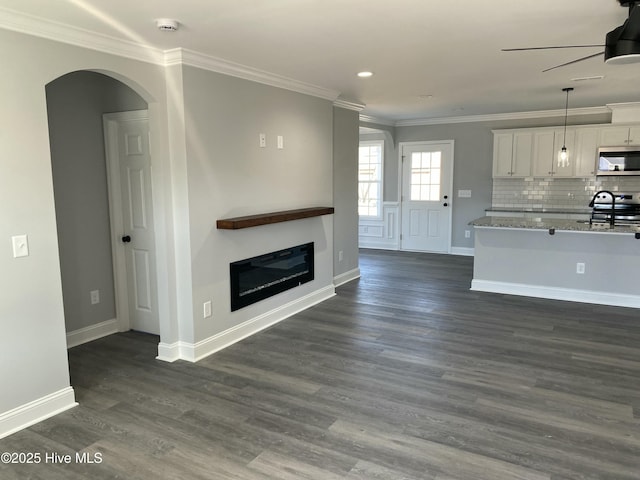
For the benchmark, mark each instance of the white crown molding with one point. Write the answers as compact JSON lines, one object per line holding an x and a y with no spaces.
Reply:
{"x":183,"y":56}
{"x":377,"y":120}
{"x":623,"y":106}
{"x":358,"y":107}
{"x":503,"y":116}
{"x":624,"y":112}
{"x":60,"y":32}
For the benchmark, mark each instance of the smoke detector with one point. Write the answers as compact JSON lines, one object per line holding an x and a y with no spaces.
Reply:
{"x":167,"y":24}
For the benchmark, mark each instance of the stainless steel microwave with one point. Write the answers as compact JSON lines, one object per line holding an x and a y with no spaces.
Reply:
{"x":619,"y":160}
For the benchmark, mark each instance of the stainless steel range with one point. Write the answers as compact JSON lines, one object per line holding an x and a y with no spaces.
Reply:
{"x":615,"y":208}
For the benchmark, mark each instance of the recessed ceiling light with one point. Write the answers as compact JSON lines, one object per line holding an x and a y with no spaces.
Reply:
{"x":167,"y":24}
{"x":365,"y":74}
{"x":425,"y":97}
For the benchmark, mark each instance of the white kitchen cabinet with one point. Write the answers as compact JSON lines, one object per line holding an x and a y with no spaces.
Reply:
{"x":543,"y":153}
{"x":586,"y":147}
{"x":522,"y":154}
{"x":547,"y":145}
{"x":502,"y":154}
{"x":619,"y":136}
{"x":512,"y":153}
{"x":526,"y":152}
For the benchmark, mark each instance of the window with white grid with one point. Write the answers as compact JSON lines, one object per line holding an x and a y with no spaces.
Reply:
{"x":425,"y":176}
{"x":370,"y":179}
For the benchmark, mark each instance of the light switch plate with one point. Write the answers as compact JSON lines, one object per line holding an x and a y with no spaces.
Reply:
{"x":464,"y":193}
{"x":206,"y":310}
{"x":280,"y":141}
{"x":20,"y":246}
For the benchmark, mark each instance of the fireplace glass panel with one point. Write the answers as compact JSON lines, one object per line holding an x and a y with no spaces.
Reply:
{"x":257,"y":278}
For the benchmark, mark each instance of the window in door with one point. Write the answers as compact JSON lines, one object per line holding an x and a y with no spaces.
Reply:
{"x":370,"y":163}
{"x":425,"y":176}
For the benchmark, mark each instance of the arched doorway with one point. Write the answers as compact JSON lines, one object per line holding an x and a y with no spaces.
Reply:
{"x":76,"y":103}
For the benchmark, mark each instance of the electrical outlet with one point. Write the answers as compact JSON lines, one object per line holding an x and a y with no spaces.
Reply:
{"x":206,"y":309}
{"x":467,"y":234}
{"x":263,"y":140}
{"x":340,"y":255}
{"x":95,"y":297}
{"x":580,"y":268}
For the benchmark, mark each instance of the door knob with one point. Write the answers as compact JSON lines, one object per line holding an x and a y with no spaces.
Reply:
{"x":445,"y":204}
{"x":126,"y":239}
{"x":446,"y":196}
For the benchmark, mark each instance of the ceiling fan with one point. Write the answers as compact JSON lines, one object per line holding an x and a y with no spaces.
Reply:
{"x":622,"y":44}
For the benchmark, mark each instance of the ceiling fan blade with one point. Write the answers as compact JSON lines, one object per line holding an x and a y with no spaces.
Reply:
{"x":574,"y":61}
{"x":548,"y":48}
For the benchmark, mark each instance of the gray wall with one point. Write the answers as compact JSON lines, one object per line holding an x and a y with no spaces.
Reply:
{"x":345,"y":190}
{"x":229,"y":175}
{"x":31,"y":305}
{"x":75,"y":105}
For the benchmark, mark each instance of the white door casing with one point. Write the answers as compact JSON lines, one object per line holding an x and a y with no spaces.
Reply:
{"x":131,"y":212}
{"x":426,"y":196}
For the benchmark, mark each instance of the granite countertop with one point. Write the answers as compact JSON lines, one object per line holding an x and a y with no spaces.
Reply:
{"x":570,"y":211}
{"x":551,"y":223}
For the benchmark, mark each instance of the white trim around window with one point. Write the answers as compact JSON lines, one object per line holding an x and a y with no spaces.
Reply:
{"x":370,"y":179}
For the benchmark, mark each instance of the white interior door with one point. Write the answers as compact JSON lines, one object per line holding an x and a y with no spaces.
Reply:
{"x":427,"y":183}
{"x":127,"y":140}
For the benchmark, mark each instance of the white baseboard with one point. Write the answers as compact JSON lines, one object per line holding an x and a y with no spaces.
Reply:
{"x":192,"y":352}
{"x":346,"y":277}
{"x":36,"y":411}
{"x":553,"y":293}
{"x":467,"y":252}
{"x":380,"y":245}
{"x":92,"y":332}
{"x":169,"y":352}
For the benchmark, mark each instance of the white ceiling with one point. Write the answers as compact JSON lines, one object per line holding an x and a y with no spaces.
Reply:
{"x":447,"y":49}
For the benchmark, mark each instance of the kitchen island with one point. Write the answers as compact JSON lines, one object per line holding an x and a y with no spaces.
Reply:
{"x":561,"y":259}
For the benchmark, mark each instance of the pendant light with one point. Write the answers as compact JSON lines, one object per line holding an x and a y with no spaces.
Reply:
{"x":563,"y":154}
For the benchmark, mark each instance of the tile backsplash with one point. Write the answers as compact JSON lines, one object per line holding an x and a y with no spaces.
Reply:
{"x":569,"y":193}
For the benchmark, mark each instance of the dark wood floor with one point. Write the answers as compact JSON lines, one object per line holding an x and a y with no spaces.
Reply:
{"x":405,"y":374}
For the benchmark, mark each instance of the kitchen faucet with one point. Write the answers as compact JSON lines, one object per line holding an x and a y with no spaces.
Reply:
{"x":612,"y":219}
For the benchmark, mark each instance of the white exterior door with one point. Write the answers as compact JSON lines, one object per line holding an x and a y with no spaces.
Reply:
{"x":129,"y":161}
{"x":427,"y":175}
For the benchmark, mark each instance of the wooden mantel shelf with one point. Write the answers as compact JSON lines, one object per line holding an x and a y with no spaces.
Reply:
{"x":273,"y":217}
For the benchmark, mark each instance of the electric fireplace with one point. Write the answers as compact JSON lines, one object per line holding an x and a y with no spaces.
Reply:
{"x":261,"y":277}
